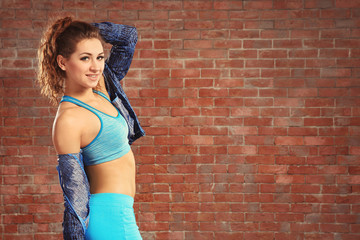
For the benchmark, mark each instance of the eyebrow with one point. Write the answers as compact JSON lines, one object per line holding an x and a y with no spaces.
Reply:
{"x":86,"y":53}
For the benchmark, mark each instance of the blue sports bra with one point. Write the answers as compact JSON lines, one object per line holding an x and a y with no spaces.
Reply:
{"x":112,"y":140}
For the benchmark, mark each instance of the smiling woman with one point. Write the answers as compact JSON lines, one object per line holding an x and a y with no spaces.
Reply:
{"x":94,"y":126}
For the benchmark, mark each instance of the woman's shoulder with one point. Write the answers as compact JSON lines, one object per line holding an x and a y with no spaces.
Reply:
{"x":68,"y":114}
{"x":67,"y":128}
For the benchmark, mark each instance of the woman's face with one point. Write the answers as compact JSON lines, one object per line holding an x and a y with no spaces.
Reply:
{"x":85,"y":66}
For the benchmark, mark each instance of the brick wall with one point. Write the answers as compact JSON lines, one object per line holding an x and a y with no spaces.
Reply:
{"x":251,"y":110}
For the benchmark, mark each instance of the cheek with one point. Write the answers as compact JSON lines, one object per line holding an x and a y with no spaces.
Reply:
{"x":102,"y":67}
{"x":78,"y":67}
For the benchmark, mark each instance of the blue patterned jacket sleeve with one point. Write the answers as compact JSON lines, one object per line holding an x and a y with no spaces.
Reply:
{"x":124,"y":39}
{"x":76,"y":192}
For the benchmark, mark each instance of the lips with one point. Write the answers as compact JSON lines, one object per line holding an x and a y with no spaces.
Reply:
{"x":93,"y":76}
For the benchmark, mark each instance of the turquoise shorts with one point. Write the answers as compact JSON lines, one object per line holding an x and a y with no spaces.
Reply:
{"x":112,"y":217}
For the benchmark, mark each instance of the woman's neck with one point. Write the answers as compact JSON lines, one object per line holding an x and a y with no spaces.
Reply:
{"x":84,"y":94}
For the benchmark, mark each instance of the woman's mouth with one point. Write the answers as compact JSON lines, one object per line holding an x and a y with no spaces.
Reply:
{"x":92,"y":76}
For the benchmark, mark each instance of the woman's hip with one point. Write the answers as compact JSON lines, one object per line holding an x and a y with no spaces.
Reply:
{"x":112,"y":217}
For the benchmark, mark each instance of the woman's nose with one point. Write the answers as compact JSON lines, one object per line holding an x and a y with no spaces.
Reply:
{"x":95,"y":66}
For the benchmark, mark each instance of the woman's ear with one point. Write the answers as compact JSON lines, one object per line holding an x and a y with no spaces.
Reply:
{"x":61,"y":61}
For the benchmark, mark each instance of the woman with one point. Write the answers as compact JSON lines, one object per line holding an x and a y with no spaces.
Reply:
{"x":94,"y":126}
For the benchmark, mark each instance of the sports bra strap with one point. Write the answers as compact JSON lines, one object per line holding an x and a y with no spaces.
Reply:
{"x":80,"y":103}
{"x":66,"y":98}
{"x":102,"y":94}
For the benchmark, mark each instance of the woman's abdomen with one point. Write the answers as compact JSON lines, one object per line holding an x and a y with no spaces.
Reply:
{"x":117,"y":176}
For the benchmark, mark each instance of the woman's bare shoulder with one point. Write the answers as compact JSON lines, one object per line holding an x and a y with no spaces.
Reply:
{"x":67,"y":117}
{"x":67,"y":129}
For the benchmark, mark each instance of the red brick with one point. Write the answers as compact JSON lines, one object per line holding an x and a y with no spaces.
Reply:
{"x":229,"y":83}
{"x":259,"y":63}
{"x":349,"y":180}
{"x":199,"y":140}
{"x":273,"y":73}
{"x":245,"y":34}
{"x":242,"y":150}
{"x":287,"y":43}
{"x":305,"y":112}
{"x":228,"y":5}
{"x":17,"y":24}
{"x":138,"y":5}
{"x":154,"y":54}
{"x":168,"y":102}
{"x":260,"y":159}
{"x":289,"y":141}
{"x":168,"y":64}
{"x":23,"y":63}
{"x":173,"y":83}
{"x":214,"y":54}
{"x":183,"y":14}
{"x":78,"y":5}
{"x":213,"y":150}
{"x":304,"y":53}
{"x":257,"y":121}
{"x":272,"y":131}
{"x":185,"y":112}
{"x":300,"y":227}
{"x":257,"y":44}
{"x":318,"y":140}
{"x":258,"y":24}
{"x":318,"y":122}
{"x":17,"y":4}
{"x":153,"y":93}
{"x":242,"y":53}
{"x":196,"y":44}
{"x":47,"y":218}
{"x":166,"y":44}
{"x":169,"y":5}
{"x":278,"y":112}
{"x":162,"y":73}
{"x":18,"y":219}
{"x":290,"y":179}
{"x":206,"y":73}
{"x":346,"y":4}
{"x":233,"y":102}
{"x":109,"y":5}
{"x":199,"y":64}
{"x":263,"y":4}
{"x":152,"y":15}
{"x":198,"y":5}
{"x":172,"y":235}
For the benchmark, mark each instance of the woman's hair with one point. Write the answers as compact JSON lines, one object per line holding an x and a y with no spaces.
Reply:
{"x":60,"y":38}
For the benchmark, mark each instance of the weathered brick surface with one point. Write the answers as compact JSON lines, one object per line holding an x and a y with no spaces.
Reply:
{"x":251,"y":109}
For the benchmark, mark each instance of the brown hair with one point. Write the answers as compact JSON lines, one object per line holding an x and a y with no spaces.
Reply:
{"x":60,"y":38}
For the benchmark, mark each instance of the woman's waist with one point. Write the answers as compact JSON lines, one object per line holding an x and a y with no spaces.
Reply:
{"x":117,"y":176}
{"x":116,"y":185}
{"x":113,"y":199}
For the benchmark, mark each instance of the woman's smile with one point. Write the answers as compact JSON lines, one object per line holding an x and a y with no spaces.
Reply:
{"x":93,"y":77}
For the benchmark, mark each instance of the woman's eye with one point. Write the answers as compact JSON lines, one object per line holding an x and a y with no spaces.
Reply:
{"x":100,"y":57}
{"x":84,"y":58}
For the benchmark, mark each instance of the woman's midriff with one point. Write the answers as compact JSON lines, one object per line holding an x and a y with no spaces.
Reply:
{"x":117,"y":176}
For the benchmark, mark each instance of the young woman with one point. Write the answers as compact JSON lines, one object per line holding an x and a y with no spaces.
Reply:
{"x":94,"y":126}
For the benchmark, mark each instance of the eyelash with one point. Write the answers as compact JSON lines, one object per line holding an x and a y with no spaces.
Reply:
{"x":86,"y":58}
